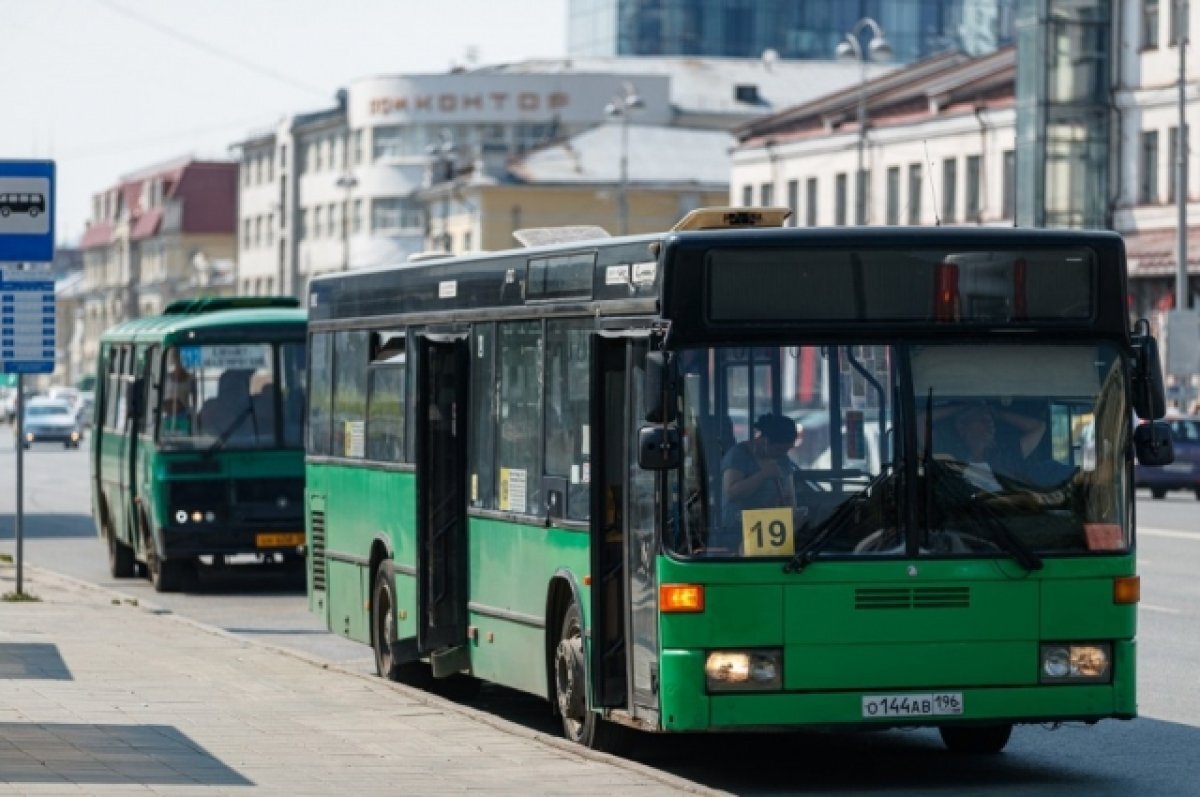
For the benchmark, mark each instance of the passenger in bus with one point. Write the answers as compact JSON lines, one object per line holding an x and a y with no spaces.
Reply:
{"x":178,"y":395}
{"x":756,"y":473}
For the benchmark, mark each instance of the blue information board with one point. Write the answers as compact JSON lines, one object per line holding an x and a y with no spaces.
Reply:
{"x":27,"y":204}
{"x":27,"y":315}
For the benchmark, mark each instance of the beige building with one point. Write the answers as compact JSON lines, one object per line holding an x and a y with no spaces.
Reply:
{"x":161,"y":234}
{"x":578,"y":181}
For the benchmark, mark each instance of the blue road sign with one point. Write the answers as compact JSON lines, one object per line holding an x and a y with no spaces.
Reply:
{"x":27,"y":204}
{"x":27,"y":315}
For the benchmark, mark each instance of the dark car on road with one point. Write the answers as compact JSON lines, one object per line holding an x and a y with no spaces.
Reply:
{"x":1184,"y":472}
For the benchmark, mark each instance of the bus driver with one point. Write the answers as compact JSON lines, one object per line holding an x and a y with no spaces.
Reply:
{"x":756,"y":473}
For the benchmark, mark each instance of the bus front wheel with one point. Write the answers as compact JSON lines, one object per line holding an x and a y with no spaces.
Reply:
{"x":383,"y":633}
{"x":120,"y":556}
{"x":975,"y":739}
{"x":580,"y":724}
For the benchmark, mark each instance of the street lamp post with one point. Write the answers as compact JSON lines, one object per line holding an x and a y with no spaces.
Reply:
{"x":621,"y":106}
{"x":346,"y":181}
{"x":850,"y":48}
{"x":1182,"y":294}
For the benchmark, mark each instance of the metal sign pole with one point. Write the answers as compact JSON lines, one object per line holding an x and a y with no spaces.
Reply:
{"x":20,"y":530}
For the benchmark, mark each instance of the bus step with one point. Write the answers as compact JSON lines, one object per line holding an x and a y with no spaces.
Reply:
{"x":449,"y":661}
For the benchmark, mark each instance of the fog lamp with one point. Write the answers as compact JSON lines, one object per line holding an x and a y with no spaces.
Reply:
{"x":743,"y":670}
{"x":209,"y":517}
{"x":1076,"y":662}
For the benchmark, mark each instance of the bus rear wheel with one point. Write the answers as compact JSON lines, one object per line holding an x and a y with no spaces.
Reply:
{"x":120,"y":556}
{"x":976,"y":739}
{"x":580,"y":724}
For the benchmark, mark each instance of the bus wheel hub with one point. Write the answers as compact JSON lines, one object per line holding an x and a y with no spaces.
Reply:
{"x":569,"y":678}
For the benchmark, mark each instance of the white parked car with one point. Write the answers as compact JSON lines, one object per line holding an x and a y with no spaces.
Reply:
{"x":51,"y":421}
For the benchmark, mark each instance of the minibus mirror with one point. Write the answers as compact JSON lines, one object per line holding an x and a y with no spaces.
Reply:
{"x":1152,"y":442}
{"x":659,"y":447}
{"x":658,"y":400}
{"x":1149,"y":395}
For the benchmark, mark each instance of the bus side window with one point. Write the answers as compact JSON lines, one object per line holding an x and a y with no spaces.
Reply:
{"x":386,"y":396}
{"x":350,"y":358}
{"x":568,"y":372}
{"x":519,"y":445}
{"x":153,"y":373}
{"x":482,"y":435}
{"x":320,"y":394}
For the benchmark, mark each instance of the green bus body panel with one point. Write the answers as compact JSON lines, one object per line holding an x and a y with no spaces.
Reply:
{"x":687,"y":707}
{"x":510,"y":569}
{"x":876,"y":627}
{"x":511,"y":566}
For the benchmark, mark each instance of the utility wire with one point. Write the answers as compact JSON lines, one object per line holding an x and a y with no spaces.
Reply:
{"x":211,"y":49}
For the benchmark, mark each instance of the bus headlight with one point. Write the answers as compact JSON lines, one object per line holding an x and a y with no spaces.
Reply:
{"x":181,"y":516}
{"x":743,"y":670}
{"x":1065,"y":662}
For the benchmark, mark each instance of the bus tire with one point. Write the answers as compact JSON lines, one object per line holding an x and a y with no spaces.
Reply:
{"x":383,"y":607}
{"x":976,"y":739}
{"x":166,"y":575}
{"x":120,"y":556}
{"x":580,"y":723}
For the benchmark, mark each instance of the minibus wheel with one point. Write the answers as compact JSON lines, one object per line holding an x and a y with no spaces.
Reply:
{"x":120,"y":556}
{"x":975,"y":739}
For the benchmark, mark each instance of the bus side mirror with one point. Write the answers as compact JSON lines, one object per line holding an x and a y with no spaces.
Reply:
{"x":659,"y":447}
{"x":1152,"y":442}
{"x":658,"y":397}
{"x":1149,"y":395}
{"x":134,"y":392}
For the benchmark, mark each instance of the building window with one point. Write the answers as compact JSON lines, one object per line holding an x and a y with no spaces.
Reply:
{"x":356,"y":147}
{"x":949,"y":189}
{"x":1009,"y":198}
{"x":914,"y":193}
{"x":393,"y":214}
{"x":839,"y":200}
{"x":747,"y":195}
{"x":973,"y":183}
{"x":1150,"y":23}
{"x":793,"y":201}
{"x":356,"y":217}
{"x":318,"y":227}
{"x":861,"y":196}
{"x":1148,"y":168}
{"x":767,"y":192}
{"x":893,"y":195}
{"x":282,"y":156}
{"x":1178,"y":22}
{"x":810,"y":202}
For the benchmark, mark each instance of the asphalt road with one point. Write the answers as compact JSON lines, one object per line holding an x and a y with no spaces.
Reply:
{"x":1157,"y":754}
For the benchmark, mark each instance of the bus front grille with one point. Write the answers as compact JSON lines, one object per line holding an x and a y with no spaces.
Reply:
{"x":913,"y":598}
{"x":318,"y":550}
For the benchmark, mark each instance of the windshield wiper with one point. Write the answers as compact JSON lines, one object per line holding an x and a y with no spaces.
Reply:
{"x":985,"y":515}
{"x":832,"y":525}
{"x":224,"y":436}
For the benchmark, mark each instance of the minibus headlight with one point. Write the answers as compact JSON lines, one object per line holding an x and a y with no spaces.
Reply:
{"x":743,"y":670}
{"x":181,"y":517}
{"x":1063,"y":662}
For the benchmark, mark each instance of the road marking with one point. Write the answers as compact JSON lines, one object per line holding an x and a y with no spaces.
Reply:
{"x":1171,"y":533}
{"x":1150,"y":607}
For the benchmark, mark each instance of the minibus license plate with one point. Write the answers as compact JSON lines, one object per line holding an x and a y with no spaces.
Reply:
{"x":289,"y":539}
{"x":941,"y":704}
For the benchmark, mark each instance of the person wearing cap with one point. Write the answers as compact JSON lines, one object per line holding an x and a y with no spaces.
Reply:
{"x":756,"y":473}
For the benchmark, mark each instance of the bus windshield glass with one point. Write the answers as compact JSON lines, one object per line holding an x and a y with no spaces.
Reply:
{"x":232,"y":396}
{"x":790,"y":444}
{"x":889,"y":285}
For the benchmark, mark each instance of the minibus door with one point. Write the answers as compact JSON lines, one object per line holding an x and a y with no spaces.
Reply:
{"x":442,"y":404}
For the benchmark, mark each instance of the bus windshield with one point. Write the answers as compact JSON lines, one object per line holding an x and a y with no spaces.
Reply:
{"x":787,"y":444}
{"x":232,"y":396}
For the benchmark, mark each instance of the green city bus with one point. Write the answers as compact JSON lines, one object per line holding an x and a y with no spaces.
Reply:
{"x":521,"y":469}
{"x":197,"y":443}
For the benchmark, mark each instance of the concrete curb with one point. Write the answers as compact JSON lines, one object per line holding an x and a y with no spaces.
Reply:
{"x":420,"y":696}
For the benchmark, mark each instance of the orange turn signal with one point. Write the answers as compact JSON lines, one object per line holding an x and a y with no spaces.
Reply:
{"x":681,"y":598}
{"x":1127,"y":589}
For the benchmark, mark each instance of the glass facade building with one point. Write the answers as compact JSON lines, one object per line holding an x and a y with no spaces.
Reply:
{"x":792,"y":28}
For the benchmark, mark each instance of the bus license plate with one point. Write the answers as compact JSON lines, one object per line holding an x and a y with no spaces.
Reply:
{"x":289,"y":539}
{"x":942,"y":704}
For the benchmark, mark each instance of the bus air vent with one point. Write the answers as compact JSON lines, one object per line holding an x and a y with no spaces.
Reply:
{"x":918,"y":598}
{"x":318,"y":550}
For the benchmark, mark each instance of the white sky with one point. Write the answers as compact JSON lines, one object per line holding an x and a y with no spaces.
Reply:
{"x":108,"y":87}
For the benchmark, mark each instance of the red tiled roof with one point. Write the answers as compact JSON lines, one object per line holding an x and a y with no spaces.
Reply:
{"x":146,"y":225}
{"x":98,"y":234}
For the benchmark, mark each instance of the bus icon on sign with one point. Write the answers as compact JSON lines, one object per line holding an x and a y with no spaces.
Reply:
{"x":32,"y":204}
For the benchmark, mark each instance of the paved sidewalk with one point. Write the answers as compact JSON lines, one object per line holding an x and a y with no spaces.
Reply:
{"x":99,"y":695}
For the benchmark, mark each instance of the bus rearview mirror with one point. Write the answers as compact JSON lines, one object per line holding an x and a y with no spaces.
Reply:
{"x":659,"y":448}
{"x":658,"y":399}
{"x":1152,"y":442}
{"x":1149,"y":395}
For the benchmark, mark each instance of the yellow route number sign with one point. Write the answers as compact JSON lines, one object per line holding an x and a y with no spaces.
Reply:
{"x":768,"y":532}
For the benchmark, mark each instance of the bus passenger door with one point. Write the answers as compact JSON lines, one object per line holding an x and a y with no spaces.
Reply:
{"x":624,"y":613}
{"x":442,"y":501}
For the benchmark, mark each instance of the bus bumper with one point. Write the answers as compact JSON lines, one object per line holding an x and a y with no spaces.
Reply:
{"x":285,"y":538}
{"x":686,"y":706}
